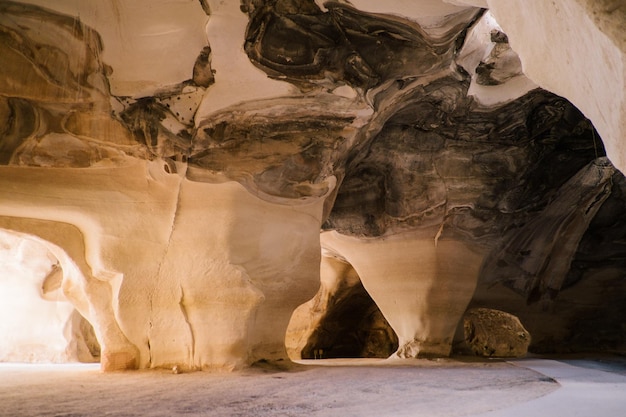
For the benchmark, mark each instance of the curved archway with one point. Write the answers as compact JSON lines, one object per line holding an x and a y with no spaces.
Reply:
{"x":341,"y":321}
{"x":38,"y":322}
{"x":90,"y":296}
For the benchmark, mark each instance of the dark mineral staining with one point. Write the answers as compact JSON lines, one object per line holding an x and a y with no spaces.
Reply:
{"x":144,"y":118}
{"x":17,"y":122}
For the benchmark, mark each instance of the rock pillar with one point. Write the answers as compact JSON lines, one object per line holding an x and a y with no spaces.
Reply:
{"x":422,"y":286}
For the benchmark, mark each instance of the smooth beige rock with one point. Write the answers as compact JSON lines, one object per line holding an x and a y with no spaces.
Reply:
{"x":148,"y":44}
{"x":174,"y":272}
{"x":435,"y":17}
{"x":171,"y":272}
{"x":92,"y":297}
{"x":480,"y":51}
{"x":237,"y":80}
{"x":244,"y":265}
{"x":35,"y":316}
{"x":576,"y":49}
{"x":183,"y":269}
{"x":421,"y":285}
{"x":475,"y":3}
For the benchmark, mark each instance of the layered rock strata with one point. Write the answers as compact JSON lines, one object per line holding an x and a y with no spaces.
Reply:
{"x":186,"y":214}
{"x":164,"y":269}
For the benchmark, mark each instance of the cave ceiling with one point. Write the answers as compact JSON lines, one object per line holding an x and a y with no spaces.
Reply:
{"x":422,"y":126}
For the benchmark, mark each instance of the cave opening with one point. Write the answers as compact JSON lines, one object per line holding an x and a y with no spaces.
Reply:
{"x":353,"y":327}
{"x":38,"y":322}
{"x":341,"y":321}
{"x":418,"y":148}
{"x":528,"y":182}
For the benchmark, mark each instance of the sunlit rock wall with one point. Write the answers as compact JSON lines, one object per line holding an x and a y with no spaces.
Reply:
{"x":577,"y":49}
{"x":38,"y":323}
{"x":179,"y":266}
{"x":180,"y":159}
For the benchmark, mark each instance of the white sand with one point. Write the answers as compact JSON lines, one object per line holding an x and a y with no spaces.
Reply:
{"x":588,"y":388}
{"x":371,"y":388}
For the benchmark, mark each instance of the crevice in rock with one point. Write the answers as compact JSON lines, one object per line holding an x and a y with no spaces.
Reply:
{"x":183,"y":310}
{"x":352,"y":327}
{"x":164,"y":258}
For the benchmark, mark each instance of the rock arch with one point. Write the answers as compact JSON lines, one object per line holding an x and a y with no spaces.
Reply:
{"x":92,"y":297}
{"x":341,"y":321}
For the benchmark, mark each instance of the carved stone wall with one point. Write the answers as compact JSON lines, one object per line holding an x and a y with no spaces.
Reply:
{"x":181,"y":161}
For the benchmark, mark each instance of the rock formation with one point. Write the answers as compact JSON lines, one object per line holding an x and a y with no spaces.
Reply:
{"x":493,"y":333}
{"x":39,"y":323}
{"x":341,"y":321}
{"x":182,"y":188}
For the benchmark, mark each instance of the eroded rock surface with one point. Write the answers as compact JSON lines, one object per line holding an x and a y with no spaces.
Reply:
{"x":494,"y":333}
{"x":38,"y":322}
{"x":341,"y":321}
{"x":583,"y":39}
{"x":187,"y":213}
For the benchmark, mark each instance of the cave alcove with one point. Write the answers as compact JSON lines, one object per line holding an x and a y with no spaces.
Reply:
{"x":38,"y":323}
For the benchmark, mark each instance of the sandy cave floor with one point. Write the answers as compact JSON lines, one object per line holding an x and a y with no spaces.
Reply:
{"x":327,"y":388}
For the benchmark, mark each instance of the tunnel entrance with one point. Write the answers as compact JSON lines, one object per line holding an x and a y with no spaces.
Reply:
{"x":352,"y":327}
{"x":37,"y":321}
{"x":341,"y":321}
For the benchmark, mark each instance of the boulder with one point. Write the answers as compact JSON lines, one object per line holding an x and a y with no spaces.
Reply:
{"x":494,"y":333}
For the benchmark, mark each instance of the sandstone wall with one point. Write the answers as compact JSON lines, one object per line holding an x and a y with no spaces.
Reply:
{"x":180,"y":160}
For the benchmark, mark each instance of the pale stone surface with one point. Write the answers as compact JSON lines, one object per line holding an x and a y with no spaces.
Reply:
{"x":576,"y":49}
{"x":149,"y":44}
{"x":430,"y":14}
{"x":186,"y":218}
{"x":239,"y":80}
{"x":169,"y":288}
{"x":420,"y":290}
{"x":360,"y":387}
{"x":496,"y":71}
{"x":476,"y":3}
{"x":37,"y":321}
{"x":170,"y":271}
